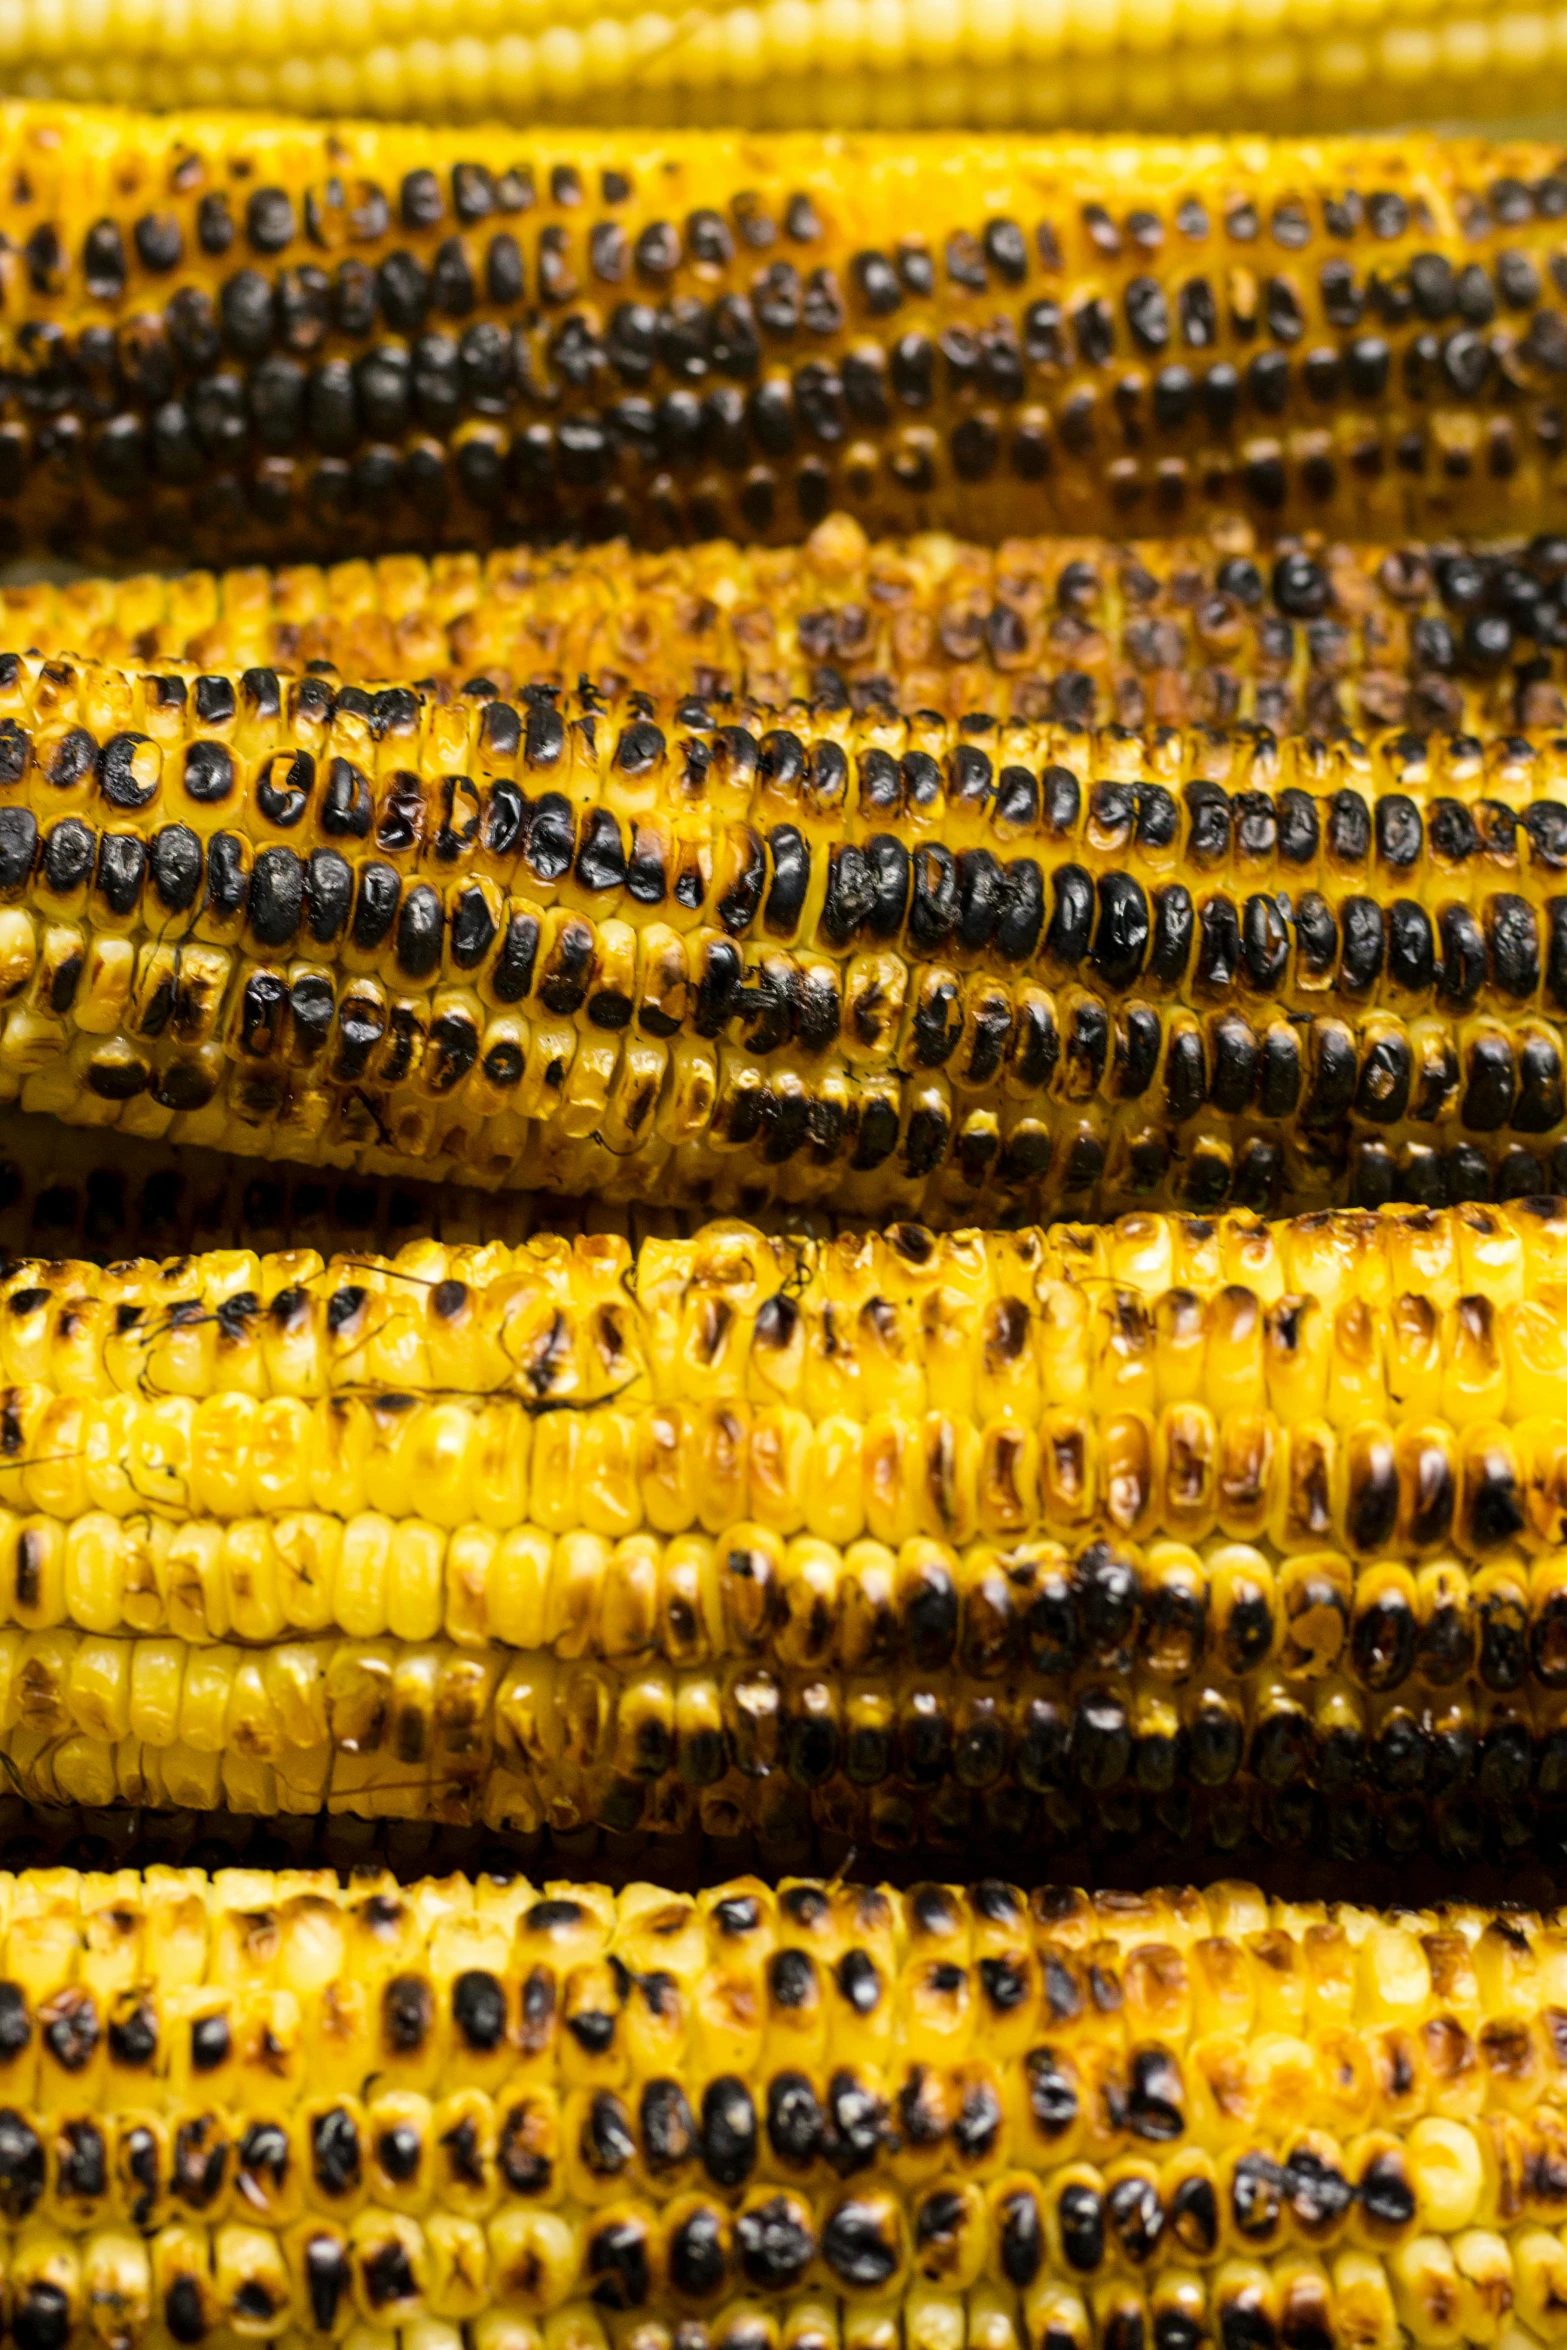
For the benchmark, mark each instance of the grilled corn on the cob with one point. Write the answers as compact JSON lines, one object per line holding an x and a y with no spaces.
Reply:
{"x":1076,"y":630}
{"x":743,"y":1531}
{"x":262,"y":2107}
{"x":81,"y":1192}
{"x":726,"y":954}
{"x":223,"y":332}
{"x":1203,"y":66}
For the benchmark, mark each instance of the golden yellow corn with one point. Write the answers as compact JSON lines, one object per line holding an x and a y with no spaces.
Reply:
{"x":743,"y":1532}
{"x":259,"y":2106}
{"x":1081,"y":630}
{"x":723,"y":955}
{"x":1127,"y":62}
{"x":234,"y":333}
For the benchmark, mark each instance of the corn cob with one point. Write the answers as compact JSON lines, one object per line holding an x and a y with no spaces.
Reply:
{"x":1202,"y":65}
{"x":226,"y":332}
{"x":745,"y":1532}
{"x":555,"y":2119}
{"x":1076,"y":630}
{"x":739,"y":955}
{"x":79,"y":1192}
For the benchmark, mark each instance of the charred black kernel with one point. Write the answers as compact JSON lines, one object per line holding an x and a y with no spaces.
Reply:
{"x":1199,"y":313}
{"x":1093,"y":324}
{"x":1136,"y":2216}
{"x":419,"y":927}
{"x":41,"y":2318}
{"x":121,"y":870}
{"x":334,"y":2152}
{"x":1072,"y":914}
{"x":1411,"y":947}
{"x":859,"y":1982}
{"x":1540,"y":1105}
{"x":1386,"y":1075}
{"x":934,"y":903}
{"x":1490,"y":1084}
{"x":327,"y":2278}
{"x":183,"y":2312}
{"x":284,"y":786}
{"x":858,"y":2247}
{"x":398,"y":2152}
{"x":1268,"y":382}
{"x":21,"y":2166}
{"x":776,"y":2244}
{"x":1513,"y":942}
{"x":387,"y":2273}
{"x":617,"y":2262}
{"x":1463,"y":965}
{"x":1208,"y":821}
{"x":69,"y":850}
{"x":1218,"y":944}
{"x":877,"y":282}
{"x":1147,"y":314}
{"x":407,"y":2014}
{"x":1362,"y":938}
{"x":729,"y":2133}
{"x":795,"y":2123}
{"x":1399,"y":833}
{"x":1081,"y":2219}
{"x":262,"y":693}
{"x":890,"y":868}
{"x":1264,"y":944}
{"x":1174,"y":930}
{"x":525,"y":2162}
{"x":210,"y":2042}
{"x":117,"y":776}
{"x":375,"y":907}
{"x":1331,"y":1075}
{"x":1121,"y":933}
{"x":159,"y":242}
{"x":479,"y":2010}
{"x":277,"y":893}
{"x":698,"y":2260}
{"x":133,"y":2031}
{"x":608,"y":2145}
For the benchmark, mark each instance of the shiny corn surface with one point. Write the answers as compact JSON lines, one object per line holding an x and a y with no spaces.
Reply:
{"x":271,"y":2107}
{"x":1086,"y":631}
{"x":230,"y":333}
{"x":725,"y":955}
{"x":566,"y":1536}
{"x":1201,"y":65}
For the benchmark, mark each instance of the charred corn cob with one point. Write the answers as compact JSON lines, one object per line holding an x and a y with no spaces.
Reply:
{"x":726,"y":954}
{"x":743,"y":1532}
{"x":1075,"y":630}
{"x":230,"y":332}
{"x":82,"y":1193}
{"x":258,"y":2106}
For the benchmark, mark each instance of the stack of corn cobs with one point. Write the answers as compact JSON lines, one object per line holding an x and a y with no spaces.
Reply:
{"x":645,"y":1091}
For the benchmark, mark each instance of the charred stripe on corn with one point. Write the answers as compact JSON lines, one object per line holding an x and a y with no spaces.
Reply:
{"x":1078,"y":631}
{"x":889,"y":951}
{"x":423,"y":337}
